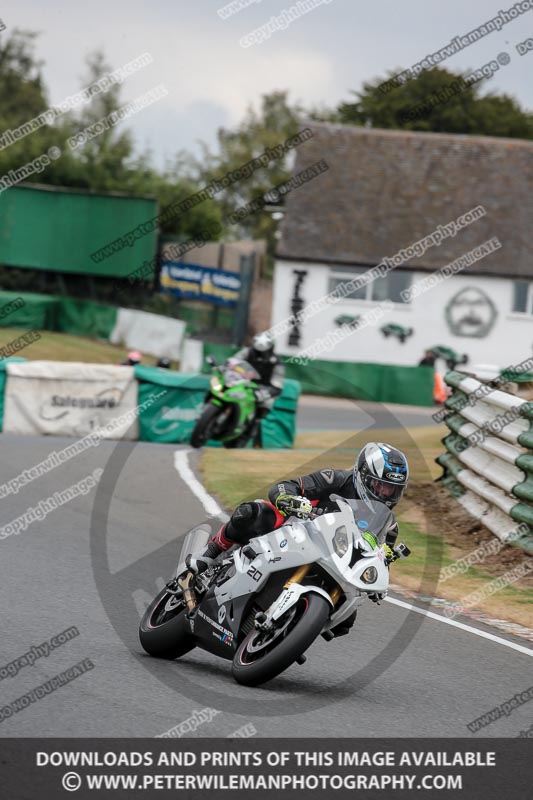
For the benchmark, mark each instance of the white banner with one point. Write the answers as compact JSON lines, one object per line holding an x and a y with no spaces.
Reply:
{"x":69,"y":399}
{"x":149,"y":333}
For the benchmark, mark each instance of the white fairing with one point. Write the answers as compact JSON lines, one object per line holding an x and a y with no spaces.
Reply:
{"x":298,"y":543}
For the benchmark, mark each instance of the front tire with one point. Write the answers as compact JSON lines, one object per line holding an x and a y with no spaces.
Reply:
{"x":253,"y":666}
{"x":202,"y":429}
{"x":164,"y":632}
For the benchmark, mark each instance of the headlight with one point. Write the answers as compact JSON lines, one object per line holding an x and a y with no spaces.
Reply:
{"x":340,"y":541}
{"x":370,"y":575}
{"x":215,"y":384}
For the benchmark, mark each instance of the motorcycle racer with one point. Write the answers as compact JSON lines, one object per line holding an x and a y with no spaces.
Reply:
{"x":263,"y":359}
{"x":380,"y":473}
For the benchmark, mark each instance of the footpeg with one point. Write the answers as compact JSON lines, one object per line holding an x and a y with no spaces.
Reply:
{"x":328,"y":636}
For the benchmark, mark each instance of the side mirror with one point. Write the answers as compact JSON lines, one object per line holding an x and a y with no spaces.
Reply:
{"x":211,"y":361}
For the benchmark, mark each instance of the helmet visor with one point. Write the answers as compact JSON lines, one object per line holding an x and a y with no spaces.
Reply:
{"x":388,"y":492}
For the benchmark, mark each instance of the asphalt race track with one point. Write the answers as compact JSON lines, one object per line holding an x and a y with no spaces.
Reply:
{"x":93,"y":564}
{"x":317,"y":413}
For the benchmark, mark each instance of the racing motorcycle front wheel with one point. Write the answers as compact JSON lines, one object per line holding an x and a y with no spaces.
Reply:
{"x":264,"y":654}
{"x":205,"y":426}
{"x":164,"y":632}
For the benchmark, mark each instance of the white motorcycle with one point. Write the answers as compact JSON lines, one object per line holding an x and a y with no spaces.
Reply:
{"x":264,"y":604}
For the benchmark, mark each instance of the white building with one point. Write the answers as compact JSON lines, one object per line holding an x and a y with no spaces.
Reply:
{"x":383,"y":193}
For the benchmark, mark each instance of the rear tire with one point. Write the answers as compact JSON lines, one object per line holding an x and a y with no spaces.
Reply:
{"x":165,"y":634}
{"x":202,"y":429}
{"x":312,"y":614}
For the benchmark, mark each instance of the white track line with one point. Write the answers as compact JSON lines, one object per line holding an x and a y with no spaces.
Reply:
{"x":462,"y":626}
{"x":181,"y":462}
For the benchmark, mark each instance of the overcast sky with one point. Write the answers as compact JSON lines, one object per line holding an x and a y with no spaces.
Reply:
{"x":211,"y":78}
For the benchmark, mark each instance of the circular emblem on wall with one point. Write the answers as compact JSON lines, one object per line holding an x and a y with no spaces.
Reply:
{"x":471,"y":313}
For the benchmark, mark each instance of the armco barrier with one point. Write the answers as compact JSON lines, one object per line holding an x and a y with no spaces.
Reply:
{"x":488,"y":465}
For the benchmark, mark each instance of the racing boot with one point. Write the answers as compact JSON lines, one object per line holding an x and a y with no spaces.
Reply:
{"x":199,"y":562}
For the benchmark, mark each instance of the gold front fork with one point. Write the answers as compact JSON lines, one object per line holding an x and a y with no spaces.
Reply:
{"x":298,"y":576}
{"x":335,"y":594}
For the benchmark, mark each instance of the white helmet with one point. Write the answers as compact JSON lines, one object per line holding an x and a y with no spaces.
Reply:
{"x":263,"y":343}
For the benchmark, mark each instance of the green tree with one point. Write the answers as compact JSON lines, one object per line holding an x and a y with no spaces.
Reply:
{"x":275,"y":121}
{"x":437,"y":100}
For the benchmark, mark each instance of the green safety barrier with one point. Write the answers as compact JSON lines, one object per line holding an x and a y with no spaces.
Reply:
{"x":37,"y":311}
{"x":384,"y":383}
{"x":3,"y":379}
{"x":86,"y":318}
{"x":278,"y":429}
{"x":178,"y":397}
{"x":53,"y":313}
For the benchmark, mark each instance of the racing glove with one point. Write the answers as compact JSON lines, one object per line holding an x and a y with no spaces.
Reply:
{"x":294,"y":506}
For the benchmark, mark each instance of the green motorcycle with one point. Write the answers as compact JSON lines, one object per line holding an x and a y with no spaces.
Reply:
{"x":229,"y":413}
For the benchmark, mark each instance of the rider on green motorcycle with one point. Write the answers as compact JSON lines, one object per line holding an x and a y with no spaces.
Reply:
{"x":262,"y":358}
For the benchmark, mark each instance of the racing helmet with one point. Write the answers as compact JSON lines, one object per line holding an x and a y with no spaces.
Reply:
{"x":381,"y":473}
{"x":134,"y":357}
{"x":263,"y":344}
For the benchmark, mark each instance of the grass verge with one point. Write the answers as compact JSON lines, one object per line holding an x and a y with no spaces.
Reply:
{"x":432,"y":523}
{"x":66,"y":347}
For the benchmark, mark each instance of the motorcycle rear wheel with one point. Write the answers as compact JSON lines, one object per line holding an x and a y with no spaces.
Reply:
{"x":255,"y":663}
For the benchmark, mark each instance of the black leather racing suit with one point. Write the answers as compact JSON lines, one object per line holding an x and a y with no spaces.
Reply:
{"x":271,"y":373}
{"x":260,"y":517}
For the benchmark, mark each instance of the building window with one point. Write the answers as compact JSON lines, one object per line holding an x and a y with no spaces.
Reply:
{"x":523,"y":297}
{"x":389,"y":287}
